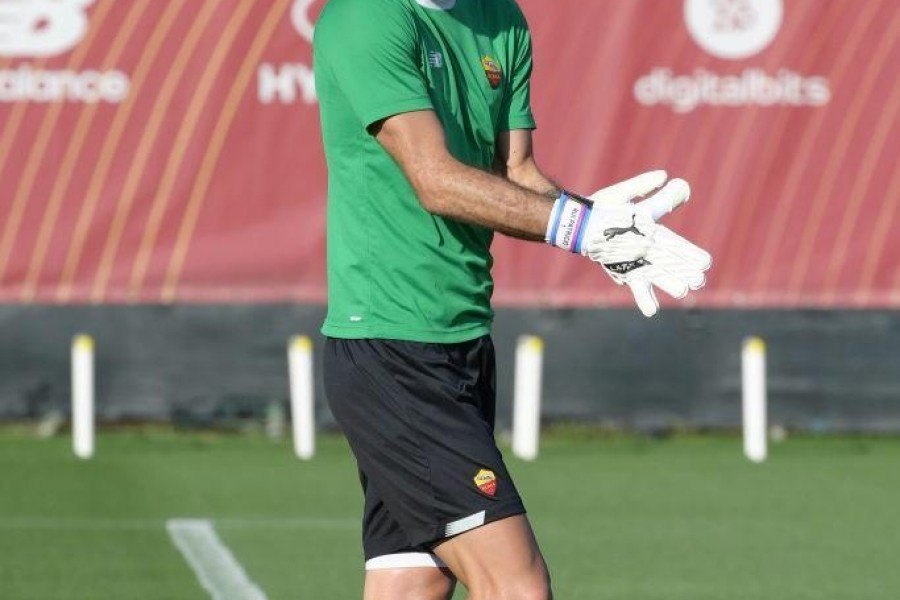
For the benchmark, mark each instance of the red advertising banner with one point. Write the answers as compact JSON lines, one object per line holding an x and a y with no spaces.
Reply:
{"x":168,"y":150}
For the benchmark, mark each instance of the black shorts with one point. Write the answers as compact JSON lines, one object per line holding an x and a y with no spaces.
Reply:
{"x":419,"y":418}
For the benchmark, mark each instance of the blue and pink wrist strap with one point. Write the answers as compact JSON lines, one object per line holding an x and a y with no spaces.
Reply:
{"x":568,"y":222}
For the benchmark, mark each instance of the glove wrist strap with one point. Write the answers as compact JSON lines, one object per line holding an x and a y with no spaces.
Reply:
{"x":568,"y":223}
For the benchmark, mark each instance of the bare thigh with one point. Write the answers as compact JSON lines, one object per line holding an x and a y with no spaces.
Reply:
{"x":417,"y":583}
{"x":499,"y":560}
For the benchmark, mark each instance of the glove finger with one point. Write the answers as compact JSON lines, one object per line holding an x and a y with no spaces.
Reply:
{"x":690,"y":253}
{"x":671,"y":196}
{"x":696,"y":281}
{"x":667,"y":281}
{"x":643,"y":295}
{"x":676,"y":266}
{"x":685,"y":249}
{"x":628,"y":190}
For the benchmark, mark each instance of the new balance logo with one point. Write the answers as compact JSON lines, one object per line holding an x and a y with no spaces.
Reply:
{"x":41,"y":27}
{"x":614,"y":231}
{"x":435,"y":59}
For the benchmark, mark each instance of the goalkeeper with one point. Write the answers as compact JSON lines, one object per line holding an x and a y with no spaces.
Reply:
{"x":426,"y":122}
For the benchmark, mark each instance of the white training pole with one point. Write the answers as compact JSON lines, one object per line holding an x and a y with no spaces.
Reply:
{"x":83,"y":396}
{"x":754,"y":392}
{"x":527,"y":397}
{"x":300,"y":363}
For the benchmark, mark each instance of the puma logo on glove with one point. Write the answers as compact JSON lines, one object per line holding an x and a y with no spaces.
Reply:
{"x":614,"y":231}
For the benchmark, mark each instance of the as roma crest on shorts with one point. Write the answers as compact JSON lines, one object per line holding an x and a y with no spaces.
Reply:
{"x":492,"y":70}
{"x":486,"y":481}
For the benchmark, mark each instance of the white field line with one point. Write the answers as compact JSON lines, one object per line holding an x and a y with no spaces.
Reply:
{"x":9,"y":523}
{"x":216,"y":568}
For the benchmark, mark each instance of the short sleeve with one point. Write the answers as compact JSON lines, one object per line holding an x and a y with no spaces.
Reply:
{"x":370,"y":50}
{"x":516,"y":111}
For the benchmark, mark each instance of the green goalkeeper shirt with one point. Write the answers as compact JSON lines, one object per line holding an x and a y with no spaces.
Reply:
{"x":396,"y":271}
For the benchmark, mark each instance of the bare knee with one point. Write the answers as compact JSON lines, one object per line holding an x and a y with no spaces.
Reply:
{"x":535,"y":586}
{"x":409,"y":584}
{"x":436,"y":588}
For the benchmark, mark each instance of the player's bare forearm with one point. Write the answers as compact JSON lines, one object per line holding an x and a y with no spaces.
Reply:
{"x":449,"y":188}
{"x":474,"y":196}
{"x":532,"y":179}
{"x":515,"y":161}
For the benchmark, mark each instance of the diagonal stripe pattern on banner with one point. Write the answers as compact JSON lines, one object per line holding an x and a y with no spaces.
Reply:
{"x":141,"y":155}
{"x":14,"y":121}
{"x":211,"y":158}
{"x":767,"y":265}
{"x":753,"y":202}
{"x":73,"y":152}
{"x":883,"y":237}
{"x":828,"y":184}
{"x":741,"y":137}
{"x":39,"y":147}
{"x":100,"y":174}
{"x":875,"y":155}
{"x":174,"y":165}
{"x":218,"y":571}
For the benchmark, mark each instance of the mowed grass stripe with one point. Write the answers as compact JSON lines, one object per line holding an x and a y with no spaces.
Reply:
{"x":101,"y":524}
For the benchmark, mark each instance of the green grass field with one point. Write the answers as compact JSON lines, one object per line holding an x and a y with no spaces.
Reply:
{"x":683,"y":519}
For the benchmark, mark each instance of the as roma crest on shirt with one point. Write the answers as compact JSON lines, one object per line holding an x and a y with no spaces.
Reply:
{"x":486,"y":481}
{"x":492,"y":70}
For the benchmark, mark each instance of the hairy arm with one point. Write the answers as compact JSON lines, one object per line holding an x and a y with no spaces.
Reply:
{"x":515,"y":161}
{"x":449,"y":188}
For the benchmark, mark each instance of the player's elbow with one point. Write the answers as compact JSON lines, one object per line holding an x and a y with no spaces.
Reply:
{"x":432,"y":183}
{"x":432,"y":202}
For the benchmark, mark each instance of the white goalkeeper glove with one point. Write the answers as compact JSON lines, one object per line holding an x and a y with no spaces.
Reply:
{"x":624,"y":238}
